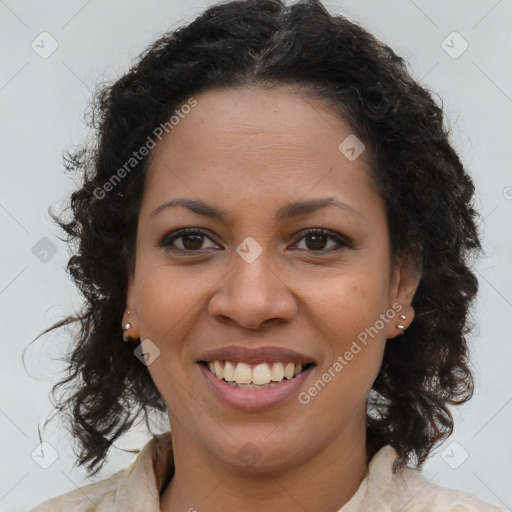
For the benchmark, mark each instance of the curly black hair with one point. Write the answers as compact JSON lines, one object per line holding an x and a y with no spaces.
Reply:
{"x":428,"y":197}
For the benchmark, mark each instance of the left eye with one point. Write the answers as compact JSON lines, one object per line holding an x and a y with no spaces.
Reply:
{"x":192,"y":240}
{"x":319,"y":237}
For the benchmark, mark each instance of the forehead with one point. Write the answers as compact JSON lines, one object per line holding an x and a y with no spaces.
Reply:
{"x":250,"y":146}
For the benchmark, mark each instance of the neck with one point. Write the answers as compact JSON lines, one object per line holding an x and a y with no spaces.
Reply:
{"x":323,"y":482}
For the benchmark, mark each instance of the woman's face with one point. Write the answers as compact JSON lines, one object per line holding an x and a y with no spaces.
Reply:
{"x":255,"y":279}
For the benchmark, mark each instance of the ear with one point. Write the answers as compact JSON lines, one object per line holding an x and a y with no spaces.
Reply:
{"x":130,"y":319}
{"x":405,"y":279}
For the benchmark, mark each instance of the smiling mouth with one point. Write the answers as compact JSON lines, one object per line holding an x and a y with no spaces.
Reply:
{"x":254,"y":376}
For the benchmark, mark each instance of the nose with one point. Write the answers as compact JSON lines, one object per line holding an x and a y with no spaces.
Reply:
{"x":252,"y":294}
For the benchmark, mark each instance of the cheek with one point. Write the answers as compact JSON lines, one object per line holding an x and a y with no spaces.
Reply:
{"x":167,"y":302}
{"x":347,"y":301}
{"x":340,"y":387}
{"x":167,"y":299}
{"x":349,"y":313}
{"x":165,"y":307}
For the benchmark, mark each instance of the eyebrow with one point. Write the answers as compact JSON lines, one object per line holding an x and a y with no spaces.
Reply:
{"x":285,"y":212}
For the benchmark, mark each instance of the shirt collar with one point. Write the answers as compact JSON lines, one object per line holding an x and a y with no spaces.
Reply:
{"x":140,"y":490}
{"x":148,"y":476}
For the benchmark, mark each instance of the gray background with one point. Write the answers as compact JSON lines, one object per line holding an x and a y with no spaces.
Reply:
{"x":42,"y":101}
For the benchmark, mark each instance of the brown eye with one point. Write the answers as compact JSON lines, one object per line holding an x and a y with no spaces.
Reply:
{"x":191,"y":240}
{"x":316,"y":240}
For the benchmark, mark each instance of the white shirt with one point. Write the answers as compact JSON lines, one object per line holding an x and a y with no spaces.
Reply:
{"x":137,"y":488}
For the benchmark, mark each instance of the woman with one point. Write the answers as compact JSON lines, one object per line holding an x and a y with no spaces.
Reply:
{"x":273,"y":233}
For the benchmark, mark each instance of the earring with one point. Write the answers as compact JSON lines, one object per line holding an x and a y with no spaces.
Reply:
{"x":400,"y":326}
{"x":126,"y":327}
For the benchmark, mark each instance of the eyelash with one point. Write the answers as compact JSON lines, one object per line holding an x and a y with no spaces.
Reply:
{"x":167,"y":240}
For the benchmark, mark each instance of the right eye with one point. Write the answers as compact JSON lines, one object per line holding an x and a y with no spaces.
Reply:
{"x":191,"y":240}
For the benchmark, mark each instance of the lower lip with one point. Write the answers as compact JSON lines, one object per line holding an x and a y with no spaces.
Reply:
{"x":254,"y":399}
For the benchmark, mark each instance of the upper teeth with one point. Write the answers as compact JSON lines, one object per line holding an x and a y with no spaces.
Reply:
{"x":262,"y":373}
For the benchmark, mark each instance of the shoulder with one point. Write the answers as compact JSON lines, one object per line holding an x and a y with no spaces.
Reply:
{"x":425,"y":496}
{"x":408,"y":490}
{"x":90,"y":498}
{"x":135,"y":487}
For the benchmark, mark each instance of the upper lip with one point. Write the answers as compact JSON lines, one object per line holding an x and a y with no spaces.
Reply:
{"x":236,"y":353}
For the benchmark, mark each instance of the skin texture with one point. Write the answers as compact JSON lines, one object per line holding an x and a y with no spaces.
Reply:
{"x":249,"y":151}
